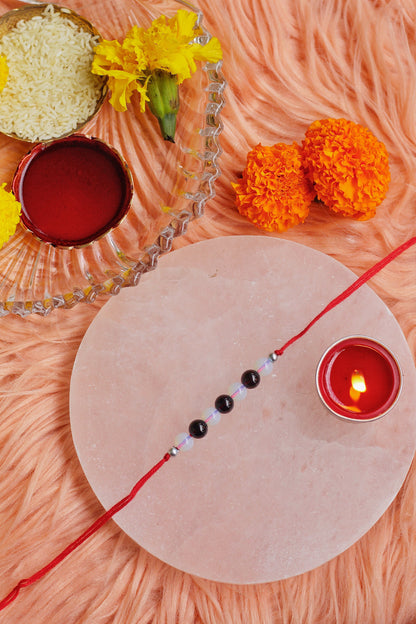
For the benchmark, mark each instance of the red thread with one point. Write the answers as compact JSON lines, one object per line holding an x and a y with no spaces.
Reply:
{"x":105,"y":517}
{"x":365,"y":277}
{"x":127,"y":499}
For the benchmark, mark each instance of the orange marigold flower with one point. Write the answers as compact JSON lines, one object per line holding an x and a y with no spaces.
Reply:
{"x":348,"y":166}
{"x":274,"y":192}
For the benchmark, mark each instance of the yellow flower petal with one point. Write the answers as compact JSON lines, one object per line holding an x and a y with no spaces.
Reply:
{"x":121,"y":89}
{"x":9,"y":214}
{"x":4,"y":72}
{"x":183,"y":23}
{"x":210,"y":52}
{"x":133,"y":45}
{"x":142,"y":91}
{"x":109,"y":52}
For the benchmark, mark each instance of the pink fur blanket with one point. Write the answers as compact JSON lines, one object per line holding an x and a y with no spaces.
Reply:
{"x":287,"y":63}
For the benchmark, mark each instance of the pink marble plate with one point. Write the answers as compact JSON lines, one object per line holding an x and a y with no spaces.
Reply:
{"x":280,"y":485}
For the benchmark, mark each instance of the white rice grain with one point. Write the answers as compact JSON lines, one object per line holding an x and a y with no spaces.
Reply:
{"x":50,"y":88}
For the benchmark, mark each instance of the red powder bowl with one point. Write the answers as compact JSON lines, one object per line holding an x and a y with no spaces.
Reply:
{"x":358,"y":379}
{"x":73,"y":190}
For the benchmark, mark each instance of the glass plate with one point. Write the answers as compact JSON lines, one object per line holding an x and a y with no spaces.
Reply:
{"x":172,"y":183}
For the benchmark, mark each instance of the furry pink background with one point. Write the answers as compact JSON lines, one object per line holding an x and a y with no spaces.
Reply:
{"x":287,"y":62}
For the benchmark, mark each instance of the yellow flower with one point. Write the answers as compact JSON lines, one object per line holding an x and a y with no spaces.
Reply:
{"x":4,"y":72}
{"x":165,"y":46}
{"x":274,"y":192}
{"x":9,"y":214}
{"x":348,"y":166}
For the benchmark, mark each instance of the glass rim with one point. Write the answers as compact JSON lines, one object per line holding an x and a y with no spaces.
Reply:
{"x":365,"y":341}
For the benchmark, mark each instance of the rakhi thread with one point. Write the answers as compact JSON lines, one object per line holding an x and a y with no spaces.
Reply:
{"x":93,"y":528}
{"x":198,"y":428}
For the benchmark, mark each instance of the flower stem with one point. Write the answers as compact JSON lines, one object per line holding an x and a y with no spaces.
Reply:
{"x":163,"y":94}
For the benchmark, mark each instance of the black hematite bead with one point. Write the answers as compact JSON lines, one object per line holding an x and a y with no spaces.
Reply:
{"x":198,"y":428}
{"x":224,"y":403}
{"x":250,"y":378}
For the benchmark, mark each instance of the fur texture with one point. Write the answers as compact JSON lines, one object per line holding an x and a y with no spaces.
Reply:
{"x":287,"y":62}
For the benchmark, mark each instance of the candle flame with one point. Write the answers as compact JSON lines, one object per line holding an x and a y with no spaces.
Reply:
{"x":357,"y":385}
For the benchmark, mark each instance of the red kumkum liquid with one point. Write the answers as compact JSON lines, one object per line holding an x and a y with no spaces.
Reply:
{"x":73,"y":191}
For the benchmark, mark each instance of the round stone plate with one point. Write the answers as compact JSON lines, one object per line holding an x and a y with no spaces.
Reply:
{"x":280,"y":485}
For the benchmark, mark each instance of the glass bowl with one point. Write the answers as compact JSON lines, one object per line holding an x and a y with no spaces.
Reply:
{"x":172,"y":183}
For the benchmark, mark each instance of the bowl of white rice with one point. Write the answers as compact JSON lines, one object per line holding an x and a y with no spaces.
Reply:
{"x":50,"y":91}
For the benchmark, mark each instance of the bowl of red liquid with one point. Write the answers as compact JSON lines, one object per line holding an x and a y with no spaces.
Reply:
{"x":358,"y":379}
{"x":73,"y":190}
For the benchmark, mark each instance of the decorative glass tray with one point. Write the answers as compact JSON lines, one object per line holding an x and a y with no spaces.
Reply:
{"x":172,"y":183}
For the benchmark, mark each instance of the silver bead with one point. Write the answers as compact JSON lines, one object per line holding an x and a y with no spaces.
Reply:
{"x":173,"y":451}
{"x":273,"y":356}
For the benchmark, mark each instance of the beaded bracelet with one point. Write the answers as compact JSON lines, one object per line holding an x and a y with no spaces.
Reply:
{"x":224,"y":403}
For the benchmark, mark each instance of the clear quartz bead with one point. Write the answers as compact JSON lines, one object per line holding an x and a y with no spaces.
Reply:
{"x":237,"y":391}
{"x":184,"y":442}
{"x":264,"y":366}
{"x":212,"y":416}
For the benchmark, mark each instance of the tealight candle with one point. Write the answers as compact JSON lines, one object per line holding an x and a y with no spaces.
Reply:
{"x":73,"y":190}
{"x":358,"y":379}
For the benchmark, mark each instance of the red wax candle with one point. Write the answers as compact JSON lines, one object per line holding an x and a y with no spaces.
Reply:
{"x":73,"y":190}
{"x":358,"y":379}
